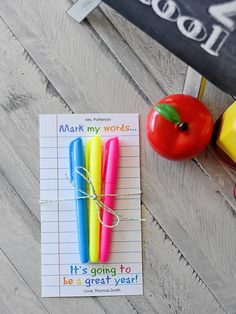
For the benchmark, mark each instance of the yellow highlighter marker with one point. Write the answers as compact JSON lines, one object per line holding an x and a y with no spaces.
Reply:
{"x":94,"y":165}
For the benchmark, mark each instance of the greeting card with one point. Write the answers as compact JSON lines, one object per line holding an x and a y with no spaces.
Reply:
{"x":63,"y":274}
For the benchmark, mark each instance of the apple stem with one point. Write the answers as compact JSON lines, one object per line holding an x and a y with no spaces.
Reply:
{"x":183,"y":126}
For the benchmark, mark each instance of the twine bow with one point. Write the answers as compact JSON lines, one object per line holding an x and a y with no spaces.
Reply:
{"x":96,"y":198}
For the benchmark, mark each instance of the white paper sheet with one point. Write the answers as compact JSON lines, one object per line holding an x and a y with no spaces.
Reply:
{"x":62,"y":272}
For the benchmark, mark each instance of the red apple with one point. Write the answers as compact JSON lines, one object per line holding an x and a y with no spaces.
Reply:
{"x":179,"y":127}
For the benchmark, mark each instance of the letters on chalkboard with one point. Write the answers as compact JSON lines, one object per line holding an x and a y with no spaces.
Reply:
{"x":195,"y":29}
{"x":200,"y":32}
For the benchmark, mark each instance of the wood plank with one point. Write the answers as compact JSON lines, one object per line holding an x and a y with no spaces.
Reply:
{"x":167,"y":70}
{"x":217,"y":102}
{"x":185,"y":225}
{"x":223,"y":177}
{"x":192,"y":82}
{"x":16,"y":296}
{"x":203,"y":216}
{"x":146,"y":82}
{"x":82,"y":8}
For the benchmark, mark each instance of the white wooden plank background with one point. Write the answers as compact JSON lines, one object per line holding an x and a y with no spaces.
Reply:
{"x":49,"y":63}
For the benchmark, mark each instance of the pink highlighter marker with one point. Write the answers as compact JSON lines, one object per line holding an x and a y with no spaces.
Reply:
{"x":109,"y":175}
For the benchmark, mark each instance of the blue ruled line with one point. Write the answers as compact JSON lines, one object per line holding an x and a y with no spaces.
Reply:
{"x":117,"y":199}
{"x":67,"y":157}
{"x":76,"y":275}
{"x":61,"y":168}
{"x":56,"y":221}
{"x":99,"y":285}
{"x":75,"y":136}
{"x":73,"y":210}
{"x":128,"y":230}
{"x":110,"y":263}
{"x":68,"y":242}
{"x":102,"y":146}
{"x":77,"y":253}
{"x":71,"y":189}
{"x":65,"y":179}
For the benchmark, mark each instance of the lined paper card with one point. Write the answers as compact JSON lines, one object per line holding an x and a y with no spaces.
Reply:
{"x":62,"y":273}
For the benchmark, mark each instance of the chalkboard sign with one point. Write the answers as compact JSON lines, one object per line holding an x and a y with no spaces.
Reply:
{"x":200,"y":32}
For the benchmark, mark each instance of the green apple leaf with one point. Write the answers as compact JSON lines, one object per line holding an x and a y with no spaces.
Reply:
{"x":168,"y":112}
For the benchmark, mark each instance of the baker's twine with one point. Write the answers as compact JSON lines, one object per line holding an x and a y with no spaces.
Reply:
{"x":96,"y":198}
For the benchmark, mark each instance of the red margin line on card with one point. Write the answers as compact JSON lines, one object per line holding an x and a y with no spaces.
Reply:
{"x":58,"y":215}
